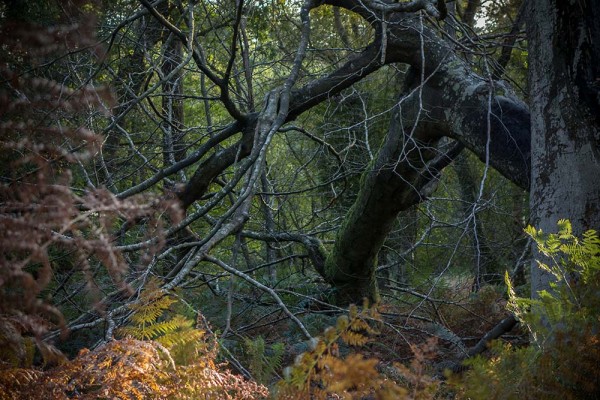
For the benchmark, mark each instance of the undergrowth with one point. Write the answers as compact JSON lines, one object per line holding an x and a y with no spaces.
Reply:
{"x":263,"y":361}
{"x":153,"y":318}
{"x":324,"y":372}
{"x":564,"y":324}
{"x":163,"y":356}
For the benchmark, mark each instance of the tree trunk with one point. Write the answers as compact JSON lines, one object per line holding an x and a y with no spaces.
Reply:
{"x":564,"y":78}
{"x":392,"y":183}
{"x":172,"y":102}
{"x":455,"y":103}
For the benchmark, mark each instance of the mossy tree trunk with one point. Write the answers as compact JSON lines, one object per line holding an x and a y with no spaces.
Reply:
{"x":453,"y":103}
{"x":394,"y":181}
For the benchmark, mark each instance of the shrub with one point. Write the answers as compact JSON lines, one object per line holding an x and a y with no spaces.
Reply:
{"x":129,"y":369}
{"x":562,"y":360}
{"x":163,"y":357}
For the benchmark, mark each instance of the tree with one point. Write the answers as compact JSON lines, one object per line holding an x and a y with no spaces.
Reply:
{"x":565,"y":116}
{"x":320,"y":169}
{"x":439,"y":84}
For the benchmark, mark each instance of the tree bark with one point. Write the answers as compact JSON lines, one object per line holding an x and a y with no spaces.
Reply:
{"x":172,"y":102}
{"x":564,"y":78}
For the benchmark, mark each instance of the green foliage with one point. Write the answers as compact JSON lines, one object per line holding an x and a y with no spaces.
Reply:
{"x":573,"y":300}
{"x":562,"y":360}
{"x":153,"y":319}
{"x":263,"y":361}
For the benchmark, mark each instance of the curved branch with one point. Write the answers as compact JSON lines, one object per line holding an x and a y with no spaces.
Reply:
{"x":316,"y":250}
{"x":430,"y":6}
{"x":186,"y":162}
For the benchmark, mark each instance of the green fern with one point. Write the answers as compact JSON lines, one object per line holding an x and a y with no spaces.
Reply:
{"x":573,"y":299}
{"x":153,"y":319}
{"x":263,"y":361}
{"x":562,"y":361}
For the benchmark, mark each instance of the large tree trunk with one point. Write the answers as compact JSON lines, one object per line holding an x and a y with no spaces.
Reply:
{"x":393,"y":182}
{"x":564,"y":76}
{"x":453,"y":102}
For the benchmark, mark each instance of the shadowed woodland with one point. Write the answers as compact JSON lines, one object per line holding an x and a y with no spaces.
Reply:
{"x":357,"y":199}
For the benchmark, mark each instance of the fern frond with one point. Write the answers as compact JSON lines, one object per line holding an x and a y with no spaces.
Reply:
{"x":354,"y":338}
{"x":181,"y":338}
{"x":263,"y":360}
{"x":562,"y":361}
{"x":321,"y":372}
{"x":153,"y":319}
{"x":149,"y":312}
